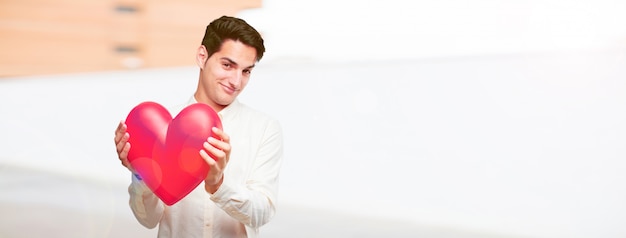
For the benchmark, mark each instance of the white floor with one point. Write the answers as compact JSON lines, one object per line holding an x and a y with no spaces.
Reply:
{"x":512,"y":145}
{"x":43,"y":204}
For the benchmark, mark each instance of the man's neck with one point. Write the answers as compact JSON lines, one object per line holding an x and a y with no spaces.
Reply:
{"x":207,"y":101}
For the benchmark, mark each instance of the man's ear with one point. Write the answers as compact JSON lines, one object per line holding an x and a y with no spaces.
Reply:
{"x":202,"y":56}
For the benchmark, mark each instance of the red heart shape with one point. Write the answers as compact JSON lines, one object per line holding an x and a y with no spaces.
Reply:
{"x":165,"y":151}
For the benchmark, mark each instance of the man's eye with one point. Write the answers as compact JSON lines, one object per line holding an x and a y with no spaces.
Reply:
{"x":247,"y":71}
{"x":227,"y":65}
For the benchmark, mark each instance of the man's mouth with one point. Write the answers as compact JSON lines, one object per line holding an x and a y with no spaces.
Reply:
{"x":229,"y":90}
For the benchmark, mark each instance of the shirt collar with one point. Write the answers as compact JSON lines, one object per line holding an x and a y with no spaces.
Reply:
{"x":228,"y":111}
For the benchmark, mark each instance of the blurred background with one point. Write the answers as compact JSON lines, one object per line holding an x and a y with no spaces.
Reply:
{"x":402,"y":119}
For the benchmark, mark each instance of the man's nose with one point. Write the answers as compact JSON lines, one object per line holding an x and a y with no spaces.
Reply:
{"x":235,"y":79}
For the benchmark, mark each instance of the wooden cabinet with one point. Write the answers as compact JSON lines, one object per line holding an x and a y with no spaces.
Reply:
{"x":67,"y":36}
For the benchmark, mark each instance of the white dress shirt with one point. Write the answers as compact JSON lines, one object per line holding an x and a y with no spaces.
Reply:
{"x":245,"y":201}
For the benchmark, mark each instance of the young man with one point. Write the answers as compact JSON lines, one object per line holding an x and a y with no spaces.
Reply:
{"x":239,"y":194}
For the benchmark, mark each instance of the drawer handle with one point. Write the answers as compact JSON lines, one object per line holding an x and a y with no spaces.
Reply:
{"x":126,"y":9}
{"x":126,"y":49}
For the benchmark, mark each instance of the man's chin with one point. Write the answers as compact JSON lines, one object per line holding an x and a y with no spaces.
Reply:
{"x":226,"y":102}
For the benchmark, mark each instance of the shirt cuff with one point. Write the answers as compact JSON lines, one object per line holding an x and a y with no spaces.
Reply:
{"x":223,"y":193}
{"x":137,"y":186}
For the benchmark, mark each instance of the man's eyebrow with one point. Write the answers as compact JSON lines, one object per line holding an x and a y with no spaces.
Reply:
{"x":235,"y":63}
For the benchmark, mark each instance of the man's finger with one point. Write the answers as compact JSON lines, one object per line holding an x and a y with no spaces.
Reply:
{"x":212,"y":150}
{"x":221,"y":145}
{"x":121,"y":128}
{"x":122,"y":142}
{"x":210,"y":161}
{"x":120,"y":132}
{"x":124,"y":152}
{"x":221,"y":134}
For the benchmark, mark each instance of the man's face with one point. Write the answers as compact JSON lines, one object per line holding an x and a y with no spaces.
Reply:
{"x":225,"y":73}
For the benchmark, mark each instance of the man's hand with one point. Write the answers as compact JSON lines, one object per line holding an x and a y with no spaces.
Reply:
{"x":216,"y":153}
{"x":122,"y":145}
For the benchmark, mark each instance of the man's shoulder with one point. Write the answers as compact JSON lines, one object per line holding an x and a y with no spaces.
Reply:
{"x":250,"y":112}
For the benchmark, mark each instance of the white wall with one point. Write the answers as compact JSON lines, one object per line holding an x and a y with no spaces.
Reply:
{"x":521,"y":145}
{"x":505,"y":141}
{"x":331,"y":30}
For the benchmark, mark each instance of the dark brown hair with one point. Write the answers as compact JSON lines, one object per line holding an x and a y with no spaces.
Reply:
{"x":232,"y":28}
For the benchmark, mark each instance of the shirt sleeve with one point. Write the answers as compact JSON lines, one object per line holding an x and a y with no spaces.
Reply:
{"x":253,"y":204}
{"x":146,"y":206}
